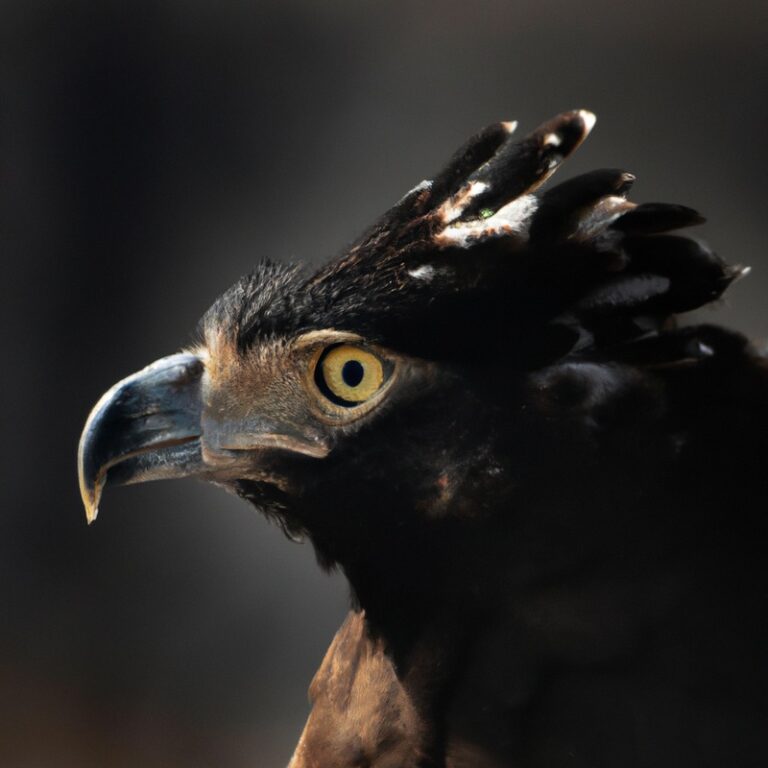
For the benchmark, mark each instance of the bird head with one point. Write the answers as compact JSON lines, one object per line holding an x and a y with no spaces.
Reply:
{"x":414,"y":380}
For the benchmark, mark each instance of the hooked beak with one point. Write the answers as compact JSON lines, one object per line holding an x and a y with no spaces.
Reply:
{"x":154,"y":425}
{"x":146,"y":427}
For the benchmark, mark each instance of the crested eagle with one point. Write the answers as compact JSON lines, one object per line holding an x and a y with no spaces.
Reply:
{"x":545,"y":491}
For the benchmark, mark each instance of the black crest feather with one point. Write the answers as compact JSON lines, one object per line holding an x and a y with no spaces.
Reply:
{"x":479,"y":259}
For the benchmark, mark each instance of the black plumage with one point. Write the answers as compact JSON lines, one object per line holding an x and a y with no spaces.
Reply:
{"x":545,"y":491}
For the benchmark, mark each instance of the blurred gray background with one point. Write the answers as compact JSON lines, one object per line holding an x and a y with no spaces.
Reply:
{"x":150,"y":152}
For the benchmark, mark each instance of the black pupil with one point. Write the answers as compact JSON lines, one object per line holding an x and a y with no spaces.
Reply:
{"x":352,"y":373}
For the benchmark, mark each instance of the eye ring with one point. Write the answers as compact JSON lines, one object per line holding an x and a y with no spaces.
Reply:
{"x":349,"y":375}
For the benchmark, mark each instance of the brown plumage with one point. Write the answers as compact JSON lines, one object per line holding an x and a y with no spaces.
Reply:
{"x":361,"y":713}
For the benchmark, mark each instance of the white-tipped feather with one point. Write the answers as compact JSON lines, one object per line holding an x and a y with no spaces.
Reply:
{"x":452,"y":208}
{"x":589,"y":119}
{"x":512,"y":219}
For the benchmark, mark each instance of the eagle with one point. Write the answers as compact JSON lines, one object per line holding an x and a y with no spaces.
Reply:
{"x":545,"y":488}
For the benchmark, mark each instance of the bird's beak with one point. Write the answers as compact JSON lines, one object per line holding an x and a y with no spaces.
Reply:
{"x":146,"y":427}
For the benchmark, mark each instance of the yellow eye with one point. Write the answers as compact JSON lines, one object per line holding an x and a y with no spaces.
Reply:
{"x":349,"y":375}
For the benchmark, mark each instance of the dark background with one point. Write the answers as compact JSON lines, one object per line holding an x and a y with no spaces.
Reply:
{"x":149,"y":154}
